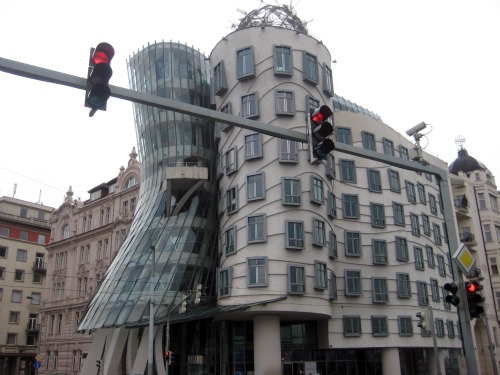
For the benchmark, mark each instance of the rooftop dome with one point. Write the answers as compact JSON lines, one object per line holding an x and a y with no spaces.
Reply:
{"x":465,"y":163}
{"x":273,"y":15}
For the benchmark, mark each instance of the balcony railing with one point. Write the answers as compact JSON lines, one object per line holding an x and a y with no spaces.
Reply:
{"x":33,"y":327}
{"x":467,"y":238}
{"x":30,"y":220}
{"x":39,"y":266}
{"x":461,"y":203}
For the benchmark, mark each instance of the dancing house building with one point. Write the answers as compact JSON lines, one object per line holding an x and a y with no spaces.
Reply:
{"x":306,"y":268}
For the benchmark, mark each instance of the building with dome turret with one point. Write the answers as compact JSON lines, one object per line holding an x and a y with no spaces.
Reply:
{"x":476,"y":201}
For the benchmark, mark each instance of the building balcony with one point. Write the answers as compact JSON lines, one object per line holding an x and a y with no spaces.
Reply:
{"x":468,"y":238}
{"x":33,"y":328}
{"x":39,"y":266}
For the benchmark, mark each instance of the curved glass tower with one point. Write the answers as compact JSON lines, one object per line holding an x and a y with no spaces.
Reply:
{"x":175,"y":219}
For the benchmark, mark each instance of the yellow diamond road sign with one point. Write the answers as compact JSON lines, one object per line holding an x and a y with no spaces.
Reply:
{"x":464,"y":259}
{"x":38,"y":357}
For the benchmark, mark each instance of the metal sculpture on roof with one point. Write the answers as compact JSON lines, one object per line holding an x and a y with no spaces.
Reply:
{"x":283,"y":16}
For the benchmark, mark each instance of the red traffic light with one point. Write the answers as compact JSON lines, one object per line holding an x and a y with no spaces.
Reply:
{"x":473,"y":287}
{"x":321,"y":114}
{"x":103,"y":53}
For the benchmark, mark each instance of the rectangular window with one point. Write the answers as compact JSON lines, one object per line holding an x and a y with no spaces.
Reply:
{"x":327,"y":81}
{"x":394,"y":183}
{"x":285,"y":102}
{"x":352,"y":243}
{"x":344,"y":135}
{"x":319,"y":234}
{"x":331,"y":205}
{"x":398,"y":213}
{"x":421,"y":193}
{"x":11,"y":339}
{"x":378,"y":215}
{"x":405,"y":326}
{"x":403,"y":153}
{"x":350,"y":206}
{"x":320,"y":281}
{"x":310,"y":69}
{"x":253,"y":146}
{"x":291,"y":191}
{"x":374,"y":181}
{"x":439,"y":328}
{"x":249,"y":106}
{"x":19,"y":275}
{"x":423,"y":295}
{"x":3,"y":252}
{"x":379,"y":250}
{"x":388,"y":146}
{"x":227,"y":108}
{"x":255,"y":186}
{"x":402,"y":249}
{"x":410,"y":192}
{"x":379,"y":290}
{"x":294,"y":234}
{"x":333,"y":287}
{"x":4,"y":232}
{"x":22,"y":255}
{"x":17,"y":296}
{"x":419,"y":258}
{"x":481,"y":201}
{"x":352,"y":282}
{"x":432,"y":204}
{"x":231,"y":160}
{"x":289,"y":151}
{"x":437,"y":234}
{"x":494,"y":203}
{"x":229,"y":240}
{"x":225,"y":282}
{"x":14,"y":317}
{"x":257,"y":271}
{"x":369,"y":141}
{"x":332,"y":245}
{"x":347,"y":171}
{"x":441,"y":266}
{"x":232,"y":200}
{"x":451,"y":328}
{"x":256,"y":228}
{"x":352,"y":325}
{"x":404,"y":286}
{"x":379,"y":326}
{"x":426,"y":224}
{"x":220,"y":82}
{"x":494,"y":266}
{"x":296,"y":279}
{"x":330,"y":166}
{"x":430,"y":257}
{"x":415,"y":224}
{"x":244,"y":63}
{"x":317,"y":191}
{"x":435,"y":290}
{"x":487,"y":233}
{"x":283,"y":60}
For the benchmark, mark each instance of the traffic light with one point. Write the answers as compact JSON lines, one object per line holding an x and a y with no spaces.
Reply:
{"x":99,"y":73}
{"x":98,"y":363}
{"x":452,"y":298}
{"x":183,"y":307}
{"x":168,"y":356}
{"x":424,"y":322}
{"x":474,"y":298}
{"x":320,"y":130}
{"x":197,"y":296}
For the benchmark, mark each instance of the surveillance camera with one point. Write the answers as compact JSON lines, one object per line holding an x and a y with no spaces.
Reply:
{"x":416,"y":129}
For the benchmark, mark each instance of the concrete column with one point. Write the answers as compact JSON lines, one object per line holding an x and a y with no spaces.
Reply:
{"x":267,"y":344}
{"x":390,"y":361}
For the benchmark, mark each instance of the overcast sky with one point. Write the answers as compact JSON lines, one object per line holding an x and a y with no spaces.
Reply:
{"x":436,"y":61}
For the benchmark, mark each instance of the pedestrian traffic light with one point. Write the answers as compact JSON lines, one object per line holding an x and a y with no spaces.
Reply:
{"x":183,"y":307}
{"x":197,"y":296}
{"x":168,"y":357}
{"x":424,"y":322}
{"x":320,"y":130}
{"x":472,"y":289}
{"x":452,"y":298}
{"x":99,"y":73}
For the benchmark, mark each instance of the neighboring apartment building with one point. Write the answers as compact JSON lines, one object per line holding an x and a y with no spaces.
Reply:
{"x":478,"y":216}
{"x":85,"y":238}
{"x":24,"y":233}
{"x":317,"y":269}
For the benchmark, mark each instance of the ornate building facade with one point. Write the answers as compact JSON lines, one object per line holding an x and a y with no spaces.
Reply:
{"x":85,"y":238}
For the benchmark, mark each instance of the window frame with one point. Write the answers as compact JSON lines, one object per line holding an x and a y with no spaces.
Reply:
{"x":327,"y":80}
{"x":402,"y":256}
{"x":319,"y":232}
{"x":352,"y":244}
{"x":317,"y":193}
{"x":369,"y":140}
{"x":284,"y":102}
{"x":379,"y":258}
{"x":374,"y":181}
{"x":258,"y":268}
{"x":405,"y":326}
{"x":378,"y":215}
{"x":410,"y":192}
{"x":418,"y":253}
{"x":289,"y":151}
{"x":232,"y":200}
{"x":394,"y":181}
{"x":331,"y":206}
{"x":343,"y":135}
{"x":245,"y":65}
{"x":351,"y":325}
{"x":255,"y":184}
{"x":350,"y":206}
{"x":356,"y":289}
{"x":379,"y":330}
{"x":230,"y":233}
{"x":220,"y":81}
{"x":310,"y":68}
{"x":422,"y":293}
{"x":380,"y":293}
{"x":287,"y":55}
{"x":298,"y":226}
{"x":297,"y":183}
{"x":253,"y":146}
{"x":320,"y":275}
{"x":299,"y":284}
{"x":403,"y":284}
{"x":348,"y":171}
{"x":224,"y":271}
{"x":256,"y":225}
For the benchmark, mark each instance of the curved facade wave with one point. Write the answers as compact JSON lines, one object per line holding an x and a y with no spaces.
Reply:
{"x":175,"y":215}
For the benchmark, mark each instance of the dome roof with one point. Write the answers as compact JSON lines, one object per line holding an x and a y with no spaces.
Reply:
{"x":465,"y":163}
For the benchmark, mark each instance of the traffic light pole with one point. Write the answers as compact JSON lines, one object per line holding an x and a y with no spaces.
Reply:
{"x":42,"y":74}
